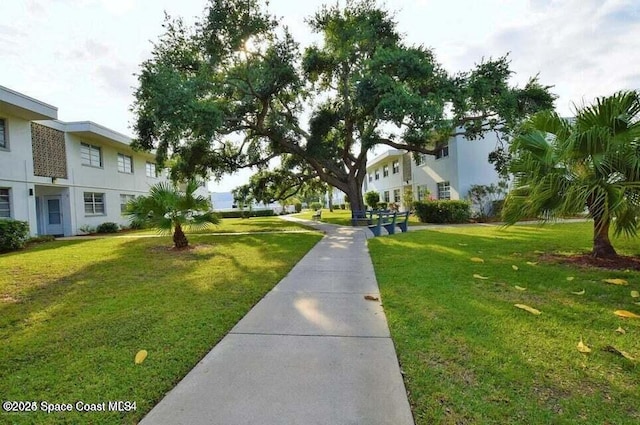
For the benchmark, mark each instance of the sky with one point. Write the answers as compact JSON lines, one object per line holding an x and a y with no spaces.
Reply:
{"x":82,"y":56}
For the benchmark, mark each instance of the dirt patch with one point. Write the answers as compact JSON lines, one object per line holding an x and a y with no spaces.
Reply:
{"x":587,"y":261}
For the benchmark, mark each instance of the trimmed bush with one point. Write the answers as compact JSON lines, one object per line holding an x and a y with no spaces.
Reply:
{"x":343,"y":206}
{"x":108,"y":227}
{"x":298,"y":206}
{"x":13,"y":234}
{"x":316,"y":206}
{"x":372,"y":198}
{"x":443,"y":211}
{"x":245,"y":214}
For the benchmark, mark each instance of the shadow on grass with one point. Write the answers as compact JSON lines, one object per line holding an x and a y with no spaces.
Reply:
{"x":79,"y":317}
{"x":470,"y":356}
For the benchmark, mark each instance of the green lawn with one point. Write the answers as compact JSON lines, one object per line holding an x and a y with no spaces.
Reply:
{"x":342,"y":217}
{"x":73,"y":314}
{"x":469,"y":356}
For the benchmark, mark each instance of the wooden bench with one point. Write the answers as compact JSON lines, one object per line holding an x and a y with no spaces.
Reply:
{"x":402,"y":220}
{"x":386,"y":220}
{"x":361,"y":218}
{"x":317,"y":215}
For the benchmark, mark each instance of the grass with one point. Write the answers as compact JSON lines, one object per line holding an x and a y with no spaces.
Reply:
{"x":469,"y":356}
{"x":343,"y":217}
{"x":73,"y":314}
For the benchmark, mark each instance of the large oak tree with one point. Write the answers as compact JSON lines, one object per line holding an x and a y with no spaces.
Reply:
{"x":236,"y":90}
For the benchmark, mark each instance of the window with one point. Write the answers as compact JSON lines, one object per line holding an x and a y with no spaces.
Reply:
{"x":370,"y":177}
{"x":442,"y":152}
{"x":377,"y":174}
{"x":444,"y":190}
{"x":93,"y":203}
{"x":91,"y":155}
{"x":396,"y":167}
{"x":125,"y":164}
{"x":386,"y":196}
{"x":151,"y":169}
{"x":396,"y":195}
{"x":3,"y":134}
{"x":423,"y":192}
{"x":124,"y":200}
{"x":385,"y":171}
{"x":5,"y":204}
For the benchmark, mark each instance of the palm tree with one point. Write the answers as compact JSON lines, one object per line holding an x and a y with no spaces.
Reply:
{"x":169,"y":209}
{"x":563,"y":166}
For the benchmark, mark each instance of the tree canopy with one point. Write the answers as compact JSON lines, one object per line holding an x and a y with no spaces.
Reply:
{"x":236,"y":90}
{"x":562,"y":166}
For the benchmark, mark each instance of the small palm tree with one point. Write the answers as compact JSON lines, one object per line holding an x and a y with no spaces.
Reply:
{"x":562,"y":166}
{"x":169,"y":209}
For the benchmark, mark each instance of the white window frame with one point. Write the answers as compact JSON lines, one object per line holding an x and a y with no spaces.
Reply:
{"x":377,"y":174}
{"x":396,"y":195}
{"x":385,"y":196}
{"x":93,"y":203}
{"x":444,"y":190}
{"x":4,"y":133}
{"x":5,"y":199}
{"x":122,"y":163}
{"x":150,"y":170}
{"x":395,"y":167}
{"x":385,"y":170}
{"x":442,"y":152}
{"x":124,"y":200}
{"x":370,"y":177}
{"x":87,"y":153}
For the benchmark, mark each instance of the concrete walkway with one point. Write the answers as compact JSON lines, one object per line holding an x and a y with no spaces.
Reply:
{"x":313,"y":351}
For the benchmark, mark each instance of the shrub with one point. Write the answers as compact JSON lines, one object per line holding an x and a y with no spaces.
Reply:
{"x":316,"y":206}
{"x":108,"y":227}
{"x":13,"y":234}
{"x":372,"y":198}
{"x":343,"y":207}
{"x":298,"y":206}
{"x":246,"y":213}
{"x":86,"y":229}
{"x":382,"y":205}
{"x":41,"y":239}
{"x":443,"y":211}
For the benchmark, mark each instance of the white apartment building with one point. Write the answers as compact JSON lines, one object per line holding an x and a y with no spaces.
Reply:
{"x":60,"y":177}
{"x":449,"y":174}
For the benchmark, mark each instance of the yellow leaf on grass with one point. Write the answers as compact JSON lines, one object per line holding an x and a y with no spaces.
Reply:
{"x":531,"y":263}
{"x":616,"y":281}
{"x":612,"y":349}
{"x":529,"y":309}
{"x":625,"y":313}
{"x":463,"y":244}
{"x":520,"y":288}
{"x":477,"y":276}
{"x":514,"y":267}
{"x":620,"y":330}
{"x":140,"y":356}
{"x":578,"y":292}
{"x":477,"y":260}
{"x":570,"y":278}
{"x":583,"y":348}
{"x":635,"y":294}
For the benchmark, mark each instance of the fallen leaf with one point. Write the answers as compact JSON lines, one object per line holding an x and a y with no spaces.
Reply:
{"x":625,"y":313}
{"x":635,"y":294}
{"x":477,"y":260}
{"x":614,"y":350}
{"x":463,"y":244}
{"x":531,"y":263}
{"x":570,"y":278}
{"x":520,"y":288}
{"x":578,"y":292}
{"x":616,"y":281}
{"x":140,"y":356}
{"x":538,"y":252}
{"x":583,"y":348}
{"x":477,"y":276}
{"x":514,"y":267}
{"x":621,"y":331}
{"x":371,"y":298}
{"x":529,"y":309}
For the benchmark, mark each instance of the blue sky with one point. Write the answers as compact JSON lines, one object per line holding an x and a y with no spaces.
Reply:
{"x":81,"y":55}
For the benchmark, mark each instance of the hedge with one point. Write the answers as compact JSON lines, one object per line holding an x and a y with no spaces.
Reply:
{"x":13,"y":234}
{"x":245,"y":213}
{"x":443,"y":211}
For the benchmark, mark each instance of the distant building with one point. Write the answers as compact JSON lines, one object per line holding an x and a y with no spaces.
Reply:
{"x":449,"y":174}
{"x":63,"y":176}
